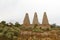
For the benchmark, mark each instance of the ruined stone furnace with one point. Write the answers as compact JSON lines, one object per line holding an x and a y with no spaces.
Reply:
{"x":28,"y":35}
{"x":45,"y":22}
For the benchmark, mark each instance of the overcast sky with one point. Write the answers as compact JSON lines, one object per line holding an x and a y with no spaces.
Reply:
{"x":15,"y":10}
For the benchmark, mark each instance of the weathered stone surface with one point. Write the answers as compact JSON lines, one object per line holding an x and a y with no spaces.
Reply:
{"x":42,"y":32}
{"x":45,"y":23}
{"x":45,"y":19}
{"x":35,"y":19}
{"x":26,"y":21}
{"x":46,"y":35}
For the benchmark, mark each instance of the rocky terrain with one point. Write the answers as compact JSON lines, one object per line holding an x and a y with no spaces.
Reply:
{"x":53,"y":34}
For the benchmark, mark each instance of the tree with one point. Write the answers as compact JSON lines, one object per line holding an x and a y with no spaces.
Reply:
{"x":11,"y":32}
{"x":10,"y":24}
{"x":17,"y":24}
{"x":3,"y":22}
{"x":53,"y":25}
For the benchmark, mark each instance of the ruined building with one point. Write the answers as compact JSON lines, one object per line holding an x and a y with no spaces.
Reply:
{"x":45,"y":22}
{"x":30,"y":34}
{"x":26,"y":21}
{"x":35,"y":19}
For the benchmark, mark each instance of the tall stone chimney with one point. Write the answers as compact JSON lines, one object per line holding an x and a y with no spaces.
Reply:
{"x":45,"y":19}
{"x":26,"y":21}
{"x":35,"y":19}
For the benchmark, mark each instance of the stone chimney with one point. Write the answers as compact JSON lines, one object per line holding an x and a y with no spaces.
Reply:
{"x":45,"y":19}
{"x":26,"y":21}
{"x":35,"y":19}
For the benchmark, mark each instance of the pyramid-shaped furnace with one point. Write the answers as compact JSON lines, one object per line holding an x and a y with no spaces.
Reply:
{"x":26,"y":21}
{"x":45,"y":19}
{"x":35,"y":19}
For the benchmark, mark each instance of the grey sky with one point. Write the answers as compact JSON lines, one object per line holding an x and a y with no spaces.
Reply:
{"x":14,"y":10}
